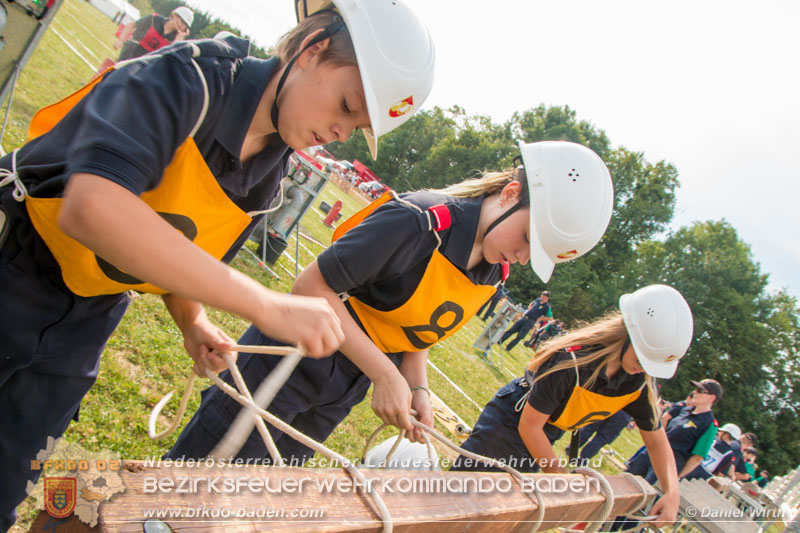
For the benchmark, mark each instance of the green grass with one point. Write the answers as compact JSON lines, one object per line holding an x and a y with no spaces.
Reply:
{"x":144,"y":359}
{"x":54,"y":71}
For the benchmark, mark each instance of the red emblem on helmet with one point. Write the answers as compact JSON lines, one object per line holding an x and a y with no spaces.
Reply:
{"x":402,"y":107}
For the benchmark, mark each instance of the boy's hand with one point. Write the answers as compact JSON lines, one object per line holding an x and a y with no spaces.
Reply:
{"x":307,"y":321}
{"x":204,"y":342}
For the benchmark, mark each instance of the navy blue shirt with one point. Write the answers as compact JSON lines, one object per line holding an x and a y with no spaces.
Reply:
{"x":382,"y":260}
{"x":537,"y":309}
{"x":736,"y":447}
{"x":130,"y":125}
{"x":685,"y":429}
{"x":723,"y":450}
{"x":550,"y":394}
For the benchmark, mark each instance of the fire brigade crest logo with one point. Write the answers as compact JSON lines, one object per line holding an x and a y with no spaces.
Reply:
{"x":60,"y":496}
{"x":402,"y":107}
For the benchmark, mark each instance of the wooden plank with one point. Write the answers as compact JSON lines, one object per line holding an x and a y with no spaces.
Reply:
{"x":437,"y":504}
{"x":705,"y":508}
{"x":449,"y":419}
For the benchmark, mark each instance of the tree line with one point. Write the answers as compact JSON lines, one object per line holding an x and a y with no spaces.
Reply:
{"x":745,"y":336}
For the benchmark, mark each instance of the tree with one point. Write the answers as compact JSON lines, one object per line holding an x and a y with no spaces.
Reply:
{"x":644,"y":203}
{"x":779,"y":423}
{"x":743,"y":338}
{"x":204,"y":26}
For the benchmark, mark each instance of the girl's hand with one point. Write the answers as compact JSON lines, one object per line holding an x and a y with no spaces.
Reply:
{"x":421,"y":403}
{"x":391,"y":400}
{"x":309,"y":322}
{"x":666,"y":508}
{"x":204,"y":342}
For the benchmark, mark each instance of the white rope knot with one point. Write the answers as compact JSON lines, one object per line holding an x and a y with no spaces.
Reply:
{"x":11,"y":176}
{"x":608,"y":493}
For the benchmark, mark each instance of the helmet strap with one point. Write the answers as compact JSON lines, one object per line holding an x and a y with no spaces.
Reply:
{"x":625,"y":348}
{"x":505,"y":215}
{"x":329,"y":30}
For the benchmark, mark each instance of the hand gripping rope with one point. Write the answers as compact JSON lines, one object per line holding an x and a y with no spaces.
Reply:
{"x":238,"y":433}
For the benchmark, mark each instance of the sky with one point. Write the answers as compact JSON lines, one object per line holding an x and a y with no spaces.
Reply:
{"x":712,"y":87}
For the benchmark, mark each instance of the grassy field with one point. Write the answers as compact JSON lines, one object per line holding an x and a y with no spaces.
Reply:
{"x":145,"y":359}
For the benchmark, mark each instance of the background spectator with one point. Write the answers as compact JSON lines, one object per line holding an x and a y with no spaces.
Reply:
{"x":538,"y":308}
{"x":690,"y":432}
{"x":153,"y":32}
{"x":490,"y":305}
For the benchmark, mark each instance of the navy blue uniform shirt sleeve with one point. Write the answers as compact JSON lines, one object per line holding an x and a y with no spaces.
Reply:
{"x":386,"y":244}
{"x":551,"y":393}
{"x":676,"y":408}
{"x":136,"y":119}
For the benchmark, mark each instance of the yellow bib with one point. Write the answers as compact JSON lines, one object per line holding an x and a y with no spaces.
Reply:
{"x":444,"y":300}
{"x":584,"y":406}
{"x":188,"y":197}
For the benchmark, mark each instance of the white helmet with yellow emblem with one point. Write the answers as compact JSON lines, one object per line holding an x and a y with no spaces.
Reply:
{"x":660,"y":326}
{"x":395,"y":56}
{"x":571,"y":199}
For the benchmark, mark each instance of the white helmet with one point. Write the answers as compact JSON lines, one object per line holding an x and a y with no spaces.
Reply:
{"x":395,"y":58}
{"x":185,"y":14}
{"x":408,"y":456}
{"x":660,"y":326}
{"x":732,"y":430}
{"x":571,"y":199}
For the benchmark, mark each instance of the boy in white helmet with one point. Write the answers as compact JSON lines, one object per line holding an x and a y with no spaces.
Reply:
{"x":153,"y":32}
{"x":720,"y":460}
{"x":588,"y":375}
{"x":408,"y":272}
{"x":184,"y":139}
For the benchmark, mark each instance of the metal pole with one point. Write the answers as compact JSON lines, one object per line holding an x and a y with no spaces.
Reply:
{"x":10,"y":101}
{"x":264,"y":242}
{"x":297,"y":249}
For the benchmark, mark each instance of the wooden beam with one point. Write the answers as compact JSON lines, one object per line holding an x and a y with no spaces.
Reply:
{"x":419,"y":501}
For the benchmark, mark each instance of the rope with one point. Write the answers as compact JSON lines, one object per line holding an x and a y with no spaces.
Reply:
{"x":432,"y":459}
{"x":242,"y":427}
{"x":273,"y":350}
{"x":151,"y":425}
{"x":221,"y":448}
{"x":539,"y":500}
{"x":608,"y":494}
{"x":311,"y":443}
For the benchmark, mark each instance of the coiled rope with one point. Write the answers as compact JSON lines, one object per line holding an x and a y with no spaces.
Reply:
{"x":242,"y":427}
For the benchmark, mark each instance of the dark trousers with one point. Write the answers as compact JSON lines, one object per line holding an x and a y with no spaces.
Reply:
{"x":496,"y":434}
{"x":491,"y":303}
{"x":317,"y":396}
{"x":50,"y":346}
{"x":521,"y":327}
{"x":601,"y":433}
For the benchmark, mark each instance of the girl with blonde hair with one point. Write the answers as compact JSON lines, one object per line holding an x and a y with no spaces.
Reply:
{"x":588,"y":375}
{"x":407,"y":272}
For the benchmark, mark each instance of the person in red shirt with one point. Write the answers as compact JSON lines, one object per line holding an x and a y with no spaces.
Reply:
{"x":153,"y":32}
